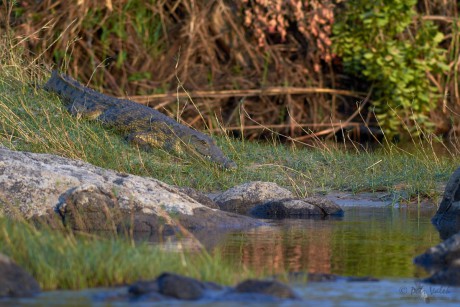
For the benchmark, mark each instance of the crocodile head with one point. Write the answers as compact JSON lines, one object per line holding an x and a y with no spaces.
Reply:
{"x":207,"y":148}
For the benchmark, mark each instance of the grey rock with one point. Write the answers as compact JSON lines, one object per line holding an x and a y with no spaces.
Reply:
{"x":241,"y":199}
{"x":15,"y":281}
{"x":266,"y":287}
{"x":296,"y":208}
{"x":90,"y":208}
{"x":442,"y":261}
{"x":173,"y":287}
{"x":48,"y":188}
{"x":448,"y":276}
{"x":326,"y":205}
{"x":199,"y":197}
{"x":286,"y":208}
{"x":180,"y":287}
{"x":444,"y":254}
{"x":143,"y":287}
{"x":447,"y":217}
{"x":36,"y":182}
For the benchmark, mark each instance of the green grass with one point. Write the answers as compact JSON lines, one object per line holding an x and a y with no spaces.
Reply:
{"x":34,"y":120}
{"x":68,"y":261}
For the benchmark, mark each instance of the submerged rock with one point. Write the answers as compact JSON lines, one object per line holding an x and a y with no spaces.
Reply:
{"x":242,"y":198}
{"x":57,"y":190}
{"x":15,"y":281}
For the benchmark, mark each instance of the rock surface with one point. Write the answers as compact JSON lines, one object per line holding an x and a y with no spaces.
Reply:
{"x":242,"y":198}
{"x":87,"y":197}
{"x":14,"y":281}
{"x":267,"y":287}
{"x":269,"y":201}
{"x":173,"y":287}
{"x":199,"y":197}
{"x":443,"y":262}
{"x":447,"y":217}
{"x":285,"y":208}
{"x":296,"y":208}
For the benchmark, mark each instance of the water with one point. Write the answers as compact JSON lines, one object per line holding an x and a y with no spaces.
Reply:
{"x":378,"y":242}
{"x":373,"y":239}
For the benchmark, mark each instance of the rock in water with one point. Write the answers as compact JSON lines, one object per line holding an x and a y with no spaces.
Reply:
{"x":297,"y":208}
{"x":241,"y":199}
{"x":173,"y":287}
{"x":268,"y":200}
{"x":447,"y":217}
{"x":266,"y":287}
{"x":15,"y":281}
{"x":443,"y":262}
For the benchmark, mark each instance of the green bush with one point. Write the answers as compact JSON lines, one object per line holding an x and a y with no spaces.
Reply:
{"x":388,"y":44}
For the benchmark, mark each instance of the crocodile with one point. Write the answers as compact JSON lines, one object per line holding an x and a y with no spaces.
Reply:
{"x":140,"y":124}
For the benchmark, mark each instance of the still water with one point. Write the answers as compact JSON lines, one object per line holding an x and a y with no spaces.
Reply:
{"x":377,"y":242}
{"x":372,"y":239}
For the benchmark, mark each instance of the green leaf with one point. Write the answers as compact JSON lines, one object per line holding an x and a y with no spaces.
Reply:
{"x":368,"y":55}
{"x":438,"y":38}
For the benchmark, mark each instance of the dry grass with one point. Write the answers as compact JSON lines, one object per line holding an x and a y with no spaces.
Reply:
{"x":129,"y":48}
{"x":132,"y":48}
{"x":33,"y":120}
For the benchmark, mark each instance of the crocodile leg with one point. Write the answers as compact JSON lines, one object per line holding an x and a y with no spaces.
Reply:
{"x":81,"y":108}
{"x":158,"y":136}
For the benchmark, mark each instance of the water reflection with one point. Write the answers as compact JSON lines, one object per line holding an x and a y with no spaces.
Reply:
{"x":367,"y":241}
{"x":379,"y":242}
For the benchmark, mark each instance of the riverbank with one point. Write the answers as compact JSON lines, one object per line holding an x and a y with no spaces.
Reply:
{"x":36,"y":121}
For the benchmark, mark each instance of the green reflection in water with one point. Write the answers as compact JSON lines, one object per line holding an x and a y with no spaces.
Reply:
{"x":378,"y":242}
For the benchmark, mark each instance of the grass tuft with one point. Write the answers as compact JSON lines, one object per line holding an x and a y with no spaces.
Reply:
{"x":68,"y":261}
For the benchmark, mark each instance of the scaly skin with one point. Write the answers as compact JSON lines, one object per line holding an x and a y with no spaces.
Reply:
{"x":140,"y":124}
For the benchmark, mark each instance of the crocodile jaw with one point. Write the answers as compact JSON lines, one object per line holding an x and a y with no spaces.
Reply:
{"x":205,"y":147}
{"x":214,"y":154}
{"x":229,"y":164}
